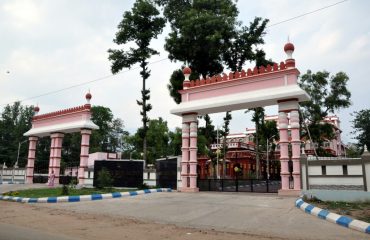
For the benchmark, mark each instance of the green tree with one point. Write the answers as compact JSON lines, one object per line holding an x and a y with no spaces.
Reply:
{"x":108,"y":137}
{"x":258,"y":118}
{"x":104,"y":179}
{"x":353,"y":150}
{"x":14,"y":122}
{"x":328,"y":94}
{"x":216,"y":38}
{"x":157,"y":140}
{"x":199,"y":33}
{"x":225,"y":132}
{"x":242,"y":46}
{"x":176,"y":80}
{"x":208,"y":131}
{"x":361,"y":124}
{"x":175,"y":142}
{"x":139,"y":26}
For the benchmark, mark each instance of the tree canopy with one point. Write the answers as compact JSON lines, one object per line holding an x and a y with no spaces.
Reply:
{"x":158,"y":139}
{"x":207,"y":35}
{"x":138,"y":26}
{"x":14,"y":122}
{"x":328,"y":94}
{"x":361,"y":124}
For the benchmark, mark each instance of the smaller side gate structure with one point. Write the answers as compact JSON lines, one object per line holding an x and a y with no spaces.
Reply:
{"x":239,"y":185}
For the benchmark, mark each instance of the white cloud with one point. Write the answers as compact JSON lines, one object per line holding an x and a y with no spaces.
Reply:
{"x":23,"y":13}
{"x":48,"y":45}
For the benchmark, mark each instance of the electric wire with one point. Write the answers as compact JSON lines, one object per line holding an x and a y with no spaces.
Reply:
{"x":305,"y":14}
{"x":109,"y":76}
{"x":81,"y":84}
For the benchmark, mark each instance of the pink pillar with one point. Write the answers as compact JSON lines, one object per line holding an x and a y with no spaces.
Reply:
{"x":31,"y":159}
{"x":56,"y":154}
{"x":84,"y":157}
{"x":284,"y":157}
{"x":185,"y":156}
{"x":51,"y":158}
{"x":296,"y":146}
{"x":189,"y":153}
{"x":193,"y":162}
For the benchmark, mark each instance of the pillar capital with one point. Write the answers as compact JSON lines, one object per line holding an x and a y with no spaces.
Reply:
{"x":189,"y":117}
{"x":33,"y":138}
{"x":86,"y":131}
{"x":288,"y":105}
{"x":57,"y":135}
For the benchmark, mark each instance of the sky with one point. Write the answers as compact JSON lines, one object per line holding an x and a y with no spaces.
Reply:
{"x":46,"y":46}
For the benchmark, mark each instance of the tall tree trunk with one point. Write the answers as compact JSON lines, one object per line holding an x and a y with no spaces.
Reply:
{"x":143,"y":93}
{"x":257,"y":153}
{"x":224,"y":160}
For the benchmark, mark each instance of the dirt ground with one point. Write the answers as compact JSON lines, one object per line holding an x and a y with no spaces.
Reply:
{"x":91,"y":226}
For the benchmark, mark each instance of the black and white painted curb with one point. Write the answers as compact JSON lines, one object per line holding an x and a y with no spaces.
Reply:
{"x":332,"y":217}
{"x":92,"y":197}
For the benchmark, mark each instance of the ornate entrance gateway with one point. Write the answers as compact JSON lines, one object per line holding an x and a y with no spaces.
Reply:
{"x":55,"y":125}
{"x":253,"y":88}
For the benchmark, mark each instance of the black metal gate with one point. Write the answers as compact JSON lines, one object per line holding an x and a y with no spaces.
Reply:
{"x":166,"y":171}
{"x":239,"y":185}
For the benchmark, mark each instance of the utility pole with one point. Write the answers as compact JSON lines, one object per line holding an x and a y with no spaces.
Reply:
{"x":267,"y":157}
{"x":16,"y":162}
{"x":217,"y":152}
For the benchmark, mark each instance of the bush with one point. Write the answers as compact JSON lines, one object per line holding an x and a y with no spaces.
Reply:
{"x":143,"y":186}
{"x":104,"y":179}
{"x":65,"y":190}
{"x":72,"y":183}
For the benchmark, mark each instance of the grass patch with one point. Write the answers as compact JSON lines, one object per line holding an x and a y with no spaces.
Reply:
{"x":355,"y":210}
{"x":57,"y":192}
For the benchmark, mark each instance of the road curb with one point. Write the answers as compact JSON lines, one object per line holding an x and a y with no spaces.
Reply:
{"x":332,"y":217}
{"x":80,"y":198}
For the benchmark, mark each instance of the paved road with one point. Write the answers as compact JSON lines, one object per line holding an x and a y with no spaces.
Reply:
{"x":10,"y":232}
{"x":259,"y":214}
{"x":265,"y":215}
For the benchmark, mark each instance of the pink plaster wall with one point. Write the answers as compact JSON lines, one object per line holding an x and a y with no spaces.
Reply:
{"x":246,"y":84}
{"x":67,"y":118}
{"x":100,"y":156}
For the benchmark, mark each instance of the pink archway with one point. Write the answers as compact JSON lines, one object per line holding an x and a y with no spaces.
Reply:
{"x":55,"y":125}
{"x":265,"y":86}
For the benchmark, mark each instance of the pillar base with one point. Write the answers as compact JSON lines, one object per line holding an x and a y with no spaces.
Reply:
{"x":187,"y":189}
{"x":289,"y":193}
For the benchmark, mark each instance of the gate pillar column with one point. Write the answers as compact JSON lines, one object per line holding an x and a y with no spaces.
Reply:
{"x":185,"y":183}
{"x":51,"y":158}
{"x":31,"y":159}
{"x":56,"y":154}
{"x":284,"y":154}
{"x":189,"y":153}
{"x":193,"y":161}
{"x":296,"y":146}
{"x":84,"y":156}
{"x":285,"y":107}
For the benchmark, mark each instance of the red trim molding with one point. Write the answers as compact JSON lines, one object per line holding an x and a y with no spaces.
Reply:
{"x":287,"y":100}
{"x":82,"y":108}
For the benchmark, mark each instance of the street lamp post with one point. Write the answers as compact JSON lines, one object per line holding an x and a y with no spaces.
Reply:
{"x":16,"y":162}
{"x":2,"y":172}
{"x":217,"y":152}
{"x":267,"y":157}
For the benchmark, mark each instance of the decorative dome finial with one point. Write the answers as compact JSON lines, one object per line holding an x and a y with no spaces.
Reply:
{"x":36,"y":109}
{"x":289,"y":49}
{"x":186,"y":71}
{"x":88,"y":97}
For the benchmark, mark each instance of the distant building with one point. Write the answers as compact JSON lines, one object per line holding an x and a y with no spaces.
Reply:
{"x":241,"y":153}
